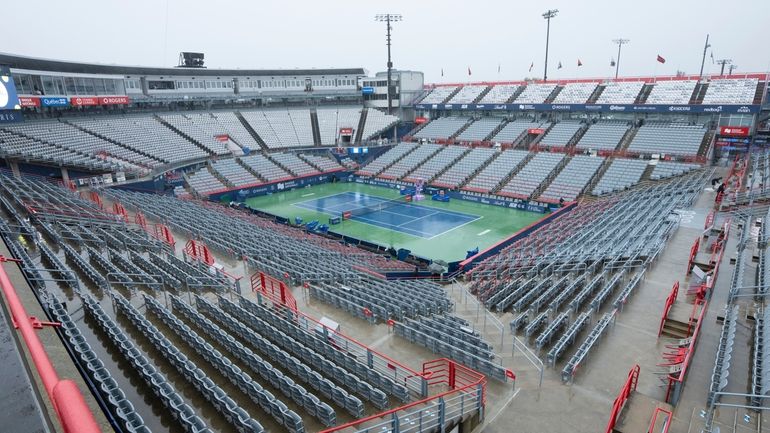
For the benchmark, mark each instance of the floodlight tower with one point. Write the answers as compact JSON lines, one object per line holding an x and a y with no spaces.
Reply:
{"x":620,"y":42}
{"x":706,"y":46}
{"x":724,"y":62}
{"x":547,"y":15}
{"x":730,"y":69}
{"x":388,"y":18}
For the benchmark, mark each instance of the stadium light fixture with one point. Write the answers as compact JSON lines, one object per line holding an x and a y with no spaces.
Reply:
{"x":547,"y":15}
{"x":724,"y":62}
{"x":703,"y":61}
{"x":620,"y":42}
{"x":389,"y":18}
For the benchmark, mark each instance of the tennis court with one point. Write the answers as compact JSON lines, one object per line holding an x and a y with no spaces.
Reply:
{"x":398,"y":215}
{"x":428,"y":228}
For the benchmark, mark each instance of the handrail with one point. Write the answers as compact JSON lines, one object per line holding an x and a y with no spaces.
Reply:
{"x":66,"y":398}
{"x":669,"y":303}
{"x":666,"y":421}
{"x":620,"y":400}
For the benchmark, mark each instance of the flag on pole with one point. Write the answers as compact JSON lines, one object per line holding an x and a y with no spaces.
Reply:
{"x":532,"y":65}
{"x":580,"y":63}
{"x":442,"y":72}
{"x":612,"y":62}
{"x":469,"y":70}
{"x":559,"y":67}
{"x":498,"y":68}
{"x":661,"y":59}
{"x":712,"y":57}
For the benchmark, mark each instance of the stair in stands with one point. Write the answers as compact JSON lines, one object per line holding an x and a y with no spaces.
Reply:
{"x":708,"y":138}
{"x":361,"y":125}
{"x":760,"y":93}
{"x":310,"y":163}
{"x":641,"y":98}
{"x":627,"y":138}
{"x":250,"y":170}
{"x":513,"y":172}
{"x":554,"y":93}
{"x":186,"y":137}
{"x":578,"y":135}
{"x":416,"y":129}
{"x":251,"y":130}
{"x":217,"y":175}
{"x":515,"y":94}
{"x":478,"y":170}
{"x":87,"y":131}
{"x":647,"y":173}
{"x":314,"y":127}
{"x":547,"y":182}
{"x":674,"y":328}
{"x":497,"y":129}
{"x":464,"y":127}
{"x":455,"y":161}
{"x":698,"y":93}
{"x":482,"y":94}
{"x":396,"y":160}
{"x":286,"y":169}
{"x":525,"y":142}
{"x":421,"y":163}
{"x":599,"y":174}
{"x":452,"y":95}
{"x":595,"y":95}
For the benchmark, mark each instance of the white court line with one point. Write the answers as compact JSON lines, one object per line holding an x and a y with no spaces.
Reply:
{"x":457,"y":227}
{"x":415,"y":219}
{"x":308,"y":194}
{"x":484,"y":232}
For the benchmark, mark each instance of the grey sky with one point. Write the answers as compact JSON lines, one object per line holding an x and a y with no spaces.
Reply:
{"x":451,"y":34}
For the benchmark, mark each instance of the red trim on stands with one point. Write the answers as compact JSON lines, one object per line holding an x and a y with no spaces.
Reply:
{"x":620,"y":400}
{"x":67,"y":400}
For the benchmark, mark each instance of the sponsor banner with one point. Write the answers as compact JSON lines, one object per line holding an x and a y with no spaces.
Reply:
{"x":54,"y":102}
{"x":11,"y":116}
{"x":734,"y":131}
{"x":346,"y":131}
{"x":113,"y":100}
{"x":607,"y":108}
{"x":535,"y":131}
{"x":420,"y":120}
{"x":80,"y":101}
{"x":29,"y":101}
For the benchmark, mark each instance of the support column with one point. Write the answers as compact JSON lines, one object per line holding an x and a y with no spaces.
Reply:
{"x":65,"y":175}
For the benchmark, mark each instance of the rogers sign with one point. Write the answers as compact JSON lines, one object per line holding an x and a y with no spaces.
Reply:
{"x":113,"y":100}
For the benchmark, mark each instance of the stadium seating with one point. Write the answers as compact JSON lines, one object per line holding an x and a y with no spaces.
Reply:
{"x":731,"y":91}
{"x":230,"y":123}
{"x":204,"y":183}
{"x":535,"y":94}
{"x":561,"y":133}
{"x":466,"y":167}
{"x":494,"y":173}
{"x":387,"y":158}
{"x":277,"y":129}
{"x":529,"y":178}
{"x":500,"y":94}
{"x":323,"y":163}
{"x":437,"y":95}
{"x":668,"y":139}
{"x":331,"y":120}
{"x":27,"y":149}
{"x":479,"y":129}
{"x":467,"y":94}
{"x":201,"y":127}
{"x":672,"y":92}
{"x":376,"y":123}
{"x":409,"y":162}
{"x":621,"y":174}
{"x":665,"y":169}
{"x":442,"y":128}
{"x":603,"y":135}
{"x":265,"y":167}
{"x":512,"y":130}
{"x":436,"y":164}
{"x":620,"y":92}
{"x":234,"y":173}
{"x":294,"y":164}
{"x":573,"y":178}
{"x":575,"y":93}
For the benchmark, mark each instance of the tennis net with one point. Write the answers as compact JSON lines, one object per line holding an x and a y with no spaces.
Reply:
{"x":362,"y":210}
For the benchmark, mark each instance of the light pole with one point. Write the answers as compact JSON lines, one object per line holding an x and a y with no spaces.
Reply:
{"x":724,"y":62}
{"x":550,"y":13}
{"x":620,"y":43}
{"x":730,"y":69}
{"x":703,"y":62}
{"x":388,"y":18}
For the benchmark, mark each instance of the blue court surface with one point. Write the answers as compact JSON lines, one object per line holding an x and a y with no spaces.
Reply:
{"x":412,"y":219}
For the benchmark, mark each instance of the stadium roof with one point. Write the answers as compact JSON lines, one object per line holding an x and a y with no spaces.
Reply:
{"x":38,"y":64}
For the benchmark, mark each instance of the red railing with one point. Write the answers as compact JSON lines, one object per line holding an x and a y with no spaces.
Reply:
{"x":693,"y":252}
{"x":620,"y":400}
{"x":66,"y":398}
{"x":709,"y":220}
{"x":667,"y":307}
{"x":654,"y":428}
{"x":276,"y":290}
{"x":442,"y":372}
{"x":163,"y":233}
{"x":118,"y":209}
{"x":199,"y":251}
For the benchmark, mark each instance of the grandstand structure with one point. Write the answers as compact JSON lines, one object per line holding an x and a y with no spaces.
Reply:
{"x":164,"y":302}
